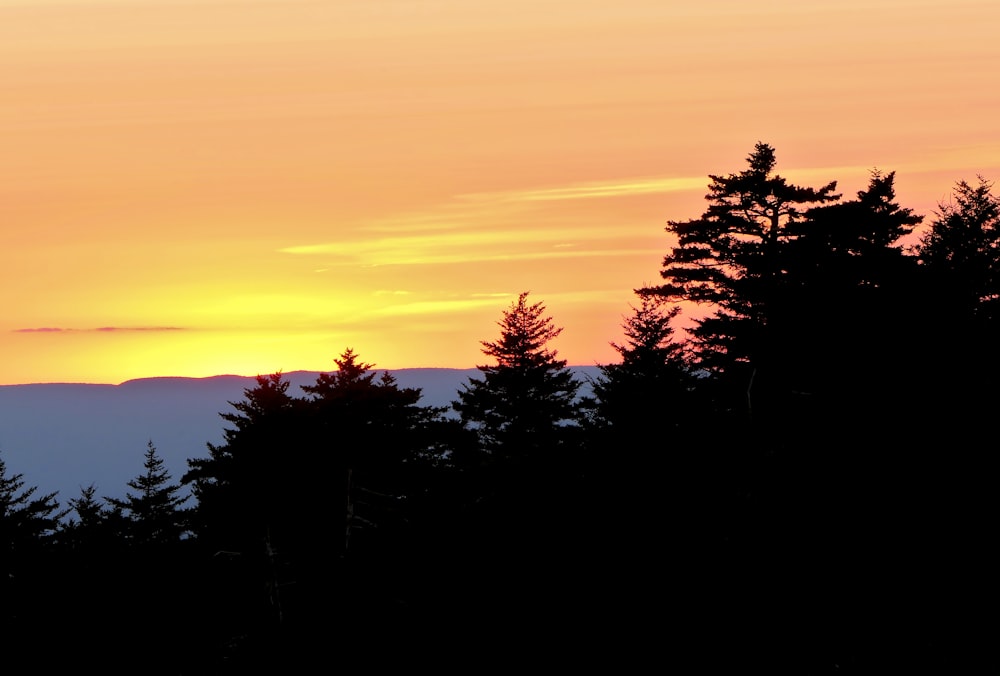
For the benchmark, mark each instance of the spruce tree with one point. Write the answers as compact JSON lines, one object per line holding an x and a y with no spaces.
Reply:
{"x":307,"y":502}
{"x":961,"y":250}
{"x":374,"y":438}
{"x":153,"y":512}
{"x":26,"y":520}
{"x":960,"y":257}
{"x":525,"y":403}
{"x":642,"y":441}
{"x":238,"y":488}
{"x":650,"y":390}
{"x":524,"y":517}
{"x":850,"y":308}
{"x":248,"y":507}
{"x":27,"y":525}
{"x":97,"y":524}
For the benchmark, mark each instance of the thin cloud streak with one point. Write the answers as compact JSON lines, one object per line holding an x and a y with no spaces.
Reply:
{"x":638,"y":186}
{"x":475,"y":223}
{"x":382,"y":258}
{"x":469,"y":245}
{"x":481,"y":227}
{"x":593,"y":190}
{"x":100,"y":329}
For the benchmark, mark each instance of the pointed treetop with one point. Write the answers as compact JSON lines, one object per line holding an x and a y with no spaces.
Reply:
{"x":762,"y":159}
{"x":648,"y":331}
{"x":524,"y":334}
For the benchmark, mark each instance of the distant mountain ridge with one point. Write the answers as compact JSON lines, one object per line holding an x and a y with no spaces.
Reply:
{"x":65,"y":436}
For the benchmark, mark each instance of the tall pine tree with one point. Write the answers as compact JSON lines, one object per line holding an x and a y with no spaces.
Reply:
{"x":525,"y":515}
{"x":733,"y":259}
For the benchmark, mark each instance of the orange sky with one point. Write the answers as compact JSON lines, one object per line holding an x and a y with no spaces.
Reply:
{"x":202,"y":187}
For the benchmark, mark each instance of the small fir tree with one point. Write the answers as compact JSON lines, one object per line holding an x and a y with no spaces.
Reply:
{"x":27,"y":527}
{"x":95,"y":525}
{"x":25,"y":520}
{"x":652,"y":384}
{"x":153,"y":513}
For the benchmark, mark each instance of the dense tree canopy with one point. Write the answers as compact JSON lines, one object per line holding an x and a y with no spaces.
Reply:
{"x":962,"y":250}
{"x":235,"y":485}
{"x":733,"y":257}
{"x":803,"y":290}
{"x":852,"y":295}
{"x":309,"y":496}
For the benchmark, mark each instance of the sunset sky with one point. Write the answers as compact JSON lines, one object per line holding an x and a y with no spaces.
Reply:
{"x":199,"y":187}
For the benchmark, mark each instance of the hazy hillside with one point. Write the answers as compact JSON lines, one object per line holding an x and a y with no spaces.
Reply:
{"x":62,"y":437}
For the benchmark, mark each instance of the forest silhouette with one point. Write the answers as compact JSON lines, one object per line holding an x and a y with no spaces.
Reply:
{"x":799,"y":483}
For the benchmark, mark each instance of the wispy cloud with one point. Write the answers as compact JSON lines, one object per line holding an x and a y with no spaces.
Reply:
{"x":653,"y":185}
{"x":496,"y":226}
{"x":139,"y":328}
{"x":418,"y":252}
{"x":99,"y":329}
{"x":594,"y":190}
{"x":470,"y":245}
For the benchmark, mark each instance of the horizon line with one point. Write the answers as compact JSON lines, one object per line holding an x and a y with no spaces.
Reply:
{"x":377,"y":369}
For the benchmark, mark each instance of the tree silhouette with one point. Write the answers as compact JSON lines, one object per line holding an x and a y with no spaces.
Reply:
{"x":814,"y":324}
{"x":26,"y":521}
{"x":366,"y":483}
{"x":643,"y":437}
{"x":856,"y":243}
{"x":235,"y":486}
{"x":732,"y":258}
{"x":375,"y":433}
{"x":962,"y":250}
{"x":852,"y":302}
{"x":98,"y":525}
{"x":88,"y":508}
{"x":246,"y":495}
{"x":523,"y":515}
{"x":651,"y":388}
{"x":525,"y":401}
{"x":960,"y":255}
{"x":309,"y":502}
{"x":153,"y":512}
{"x":27,"y":525}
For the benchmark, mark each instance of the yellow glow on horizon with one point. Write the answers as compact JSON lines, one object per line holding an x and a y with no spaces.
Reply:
{"x":231,"y":186}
